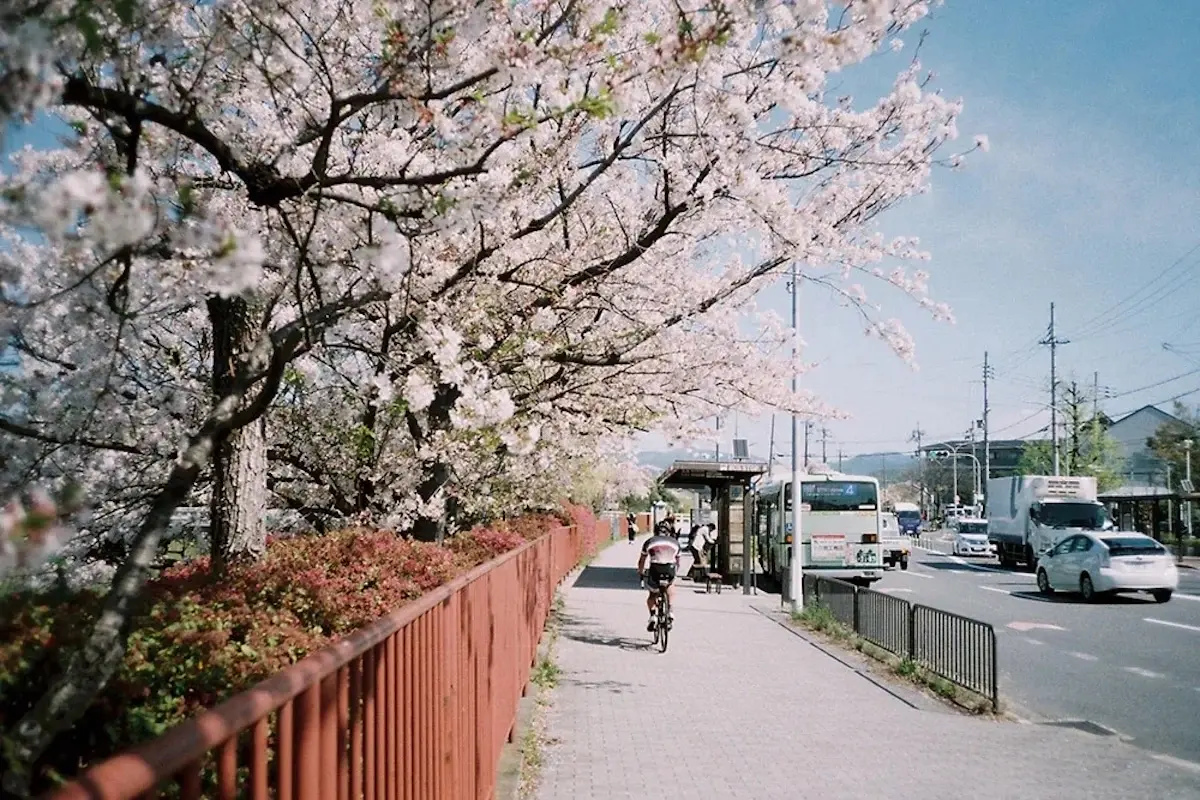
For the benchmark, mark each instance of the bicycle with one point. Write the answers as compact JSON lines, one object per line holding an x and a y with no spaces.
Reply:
{"x":662,"y":619}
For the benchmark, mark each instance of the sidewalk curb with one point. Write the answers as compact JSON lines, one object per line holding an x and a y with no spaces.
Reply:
{"x":512,"y":756}
{"x":511,"y":768}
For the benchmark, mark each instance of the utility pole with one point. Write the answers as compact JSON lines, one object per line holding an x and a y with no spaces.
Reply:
{"x":840,"y":455}
{"x":824,"y":443}
{"x":915,"y":436}
{"x":796,"y":554}
{"x":1053,"y":342}
{"x":988,"y":373}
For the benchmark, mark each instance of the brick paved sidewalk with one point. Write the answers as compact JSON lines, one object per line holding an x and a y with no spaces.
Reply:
{"x":788,"y":721}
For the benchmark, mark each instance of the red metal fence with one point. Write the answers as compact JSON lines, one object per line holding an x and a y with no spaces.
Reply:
{"x":416,"y":705}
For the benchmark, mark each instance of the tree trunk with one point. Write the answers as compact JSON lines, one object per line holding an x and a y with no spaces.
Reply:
{"x":437,"y":472}
{"x":239,"y":488}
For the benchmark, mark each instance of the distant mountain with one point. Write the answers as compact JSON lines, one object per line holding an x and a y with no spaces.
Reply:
{"x":889,"y":466}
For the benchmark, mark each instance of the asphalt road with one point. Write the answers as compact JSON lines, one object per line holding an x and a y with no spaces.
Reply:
{"x":1128,"y":664}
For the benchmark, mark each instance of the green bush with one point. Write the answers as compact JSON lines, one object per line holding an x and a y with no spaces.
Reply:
{"x":198,"y":641}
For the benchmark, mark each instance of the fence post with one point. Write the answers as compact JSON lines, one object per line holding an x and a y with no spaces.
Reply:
{"x":912,"y":632}
{"x":995,"y":677}
{"x":857,"y":627}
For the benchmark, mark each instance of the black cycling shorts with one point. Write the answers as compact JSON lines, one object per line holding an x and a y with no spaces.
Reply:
{"x":659,"y":576}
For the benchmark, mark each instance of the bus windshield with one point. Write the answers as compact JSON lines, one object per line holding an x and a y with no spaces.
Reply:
{"x":838,"y":496}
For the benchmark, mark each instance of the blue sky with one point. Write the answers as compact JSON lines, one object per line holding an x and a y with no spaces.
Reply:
{"x":1089,"y":197}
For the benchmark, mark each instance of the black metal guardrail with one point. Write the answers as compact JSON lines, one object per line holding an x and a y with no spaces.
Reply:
{"x":960,"y":649}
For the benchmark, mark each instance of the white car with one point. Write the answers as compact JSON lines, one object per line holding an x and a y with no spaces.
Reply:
{"x":1105,"y":562}
{"x":971,"y":537}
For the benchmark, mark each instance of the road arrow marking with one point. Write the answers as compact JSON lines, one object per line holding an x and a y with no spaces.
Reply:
{"x":1029,"y":626}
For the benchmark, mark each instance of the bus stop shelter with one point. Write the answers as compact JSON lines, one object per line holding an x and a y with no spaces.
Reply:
{"x":728,"y":483}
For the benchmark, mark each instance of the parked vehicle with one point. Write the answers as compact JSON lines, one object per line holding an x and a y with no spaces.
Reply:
{"x":971,"y":537}
{"x":894,"y":544}
{"x":1029,"y":514}
{"x":1099,"y":564}
{"x":839,"y":522}
{"x":908,"y":515}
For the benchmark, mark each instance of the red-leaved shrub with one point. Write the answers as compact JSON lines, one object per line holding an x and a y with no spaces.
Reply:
{"x":198,"y":641}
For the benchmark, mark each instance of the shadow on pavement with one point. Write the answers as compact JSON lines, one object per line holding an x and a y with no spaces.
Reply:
{"x":588,"y":632}
{"x":1063,"y":598}
{"x":608,"y":578}
{"x":949,"y":565}
{"x":613,"y":687}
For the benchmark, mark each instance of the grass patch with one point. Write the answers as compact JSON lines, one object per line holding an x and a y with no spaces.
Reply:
{"x":545,"y":673}
{"x":819,"y":619}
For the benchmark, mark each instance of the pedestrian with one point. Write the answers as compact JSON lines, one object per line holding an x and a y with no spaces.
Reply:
{"x":631,"y":524}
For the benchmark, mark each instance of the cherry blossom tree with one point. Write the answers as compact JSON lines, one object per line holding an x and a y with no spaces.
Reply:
{"x":492,"y":236}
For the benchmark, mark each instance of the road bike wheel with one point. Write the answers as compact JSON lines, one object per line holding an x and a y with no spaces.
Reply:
{"x":664,"y":622}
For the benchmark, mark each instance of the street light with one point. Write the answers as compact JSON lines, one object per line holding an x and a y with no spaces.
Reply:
{"x":956,"y":455}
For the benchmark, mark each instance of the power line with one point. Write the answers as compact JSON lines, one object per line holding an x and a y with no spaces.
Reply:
{"x":1103,"y":315}
{"x":1156,"y":383}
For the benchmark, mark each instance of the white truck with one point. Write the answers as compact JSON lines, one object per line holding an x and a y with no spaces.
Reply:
{"x":894,"y":544}
{"x":1029,"y":514}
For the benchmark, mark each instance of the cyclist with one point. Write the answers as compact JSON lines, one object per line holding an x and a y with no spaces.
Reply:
{"x":663,"y":554}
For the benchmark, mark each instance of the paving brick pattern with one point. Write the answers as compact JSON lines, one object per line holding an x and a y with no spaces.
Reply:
{"x":739,"y":707}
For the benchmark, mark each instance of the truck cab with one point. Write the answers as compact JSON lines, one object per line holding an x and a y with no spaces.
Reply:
{"x":908,"y":518}
{"x":1029,"y":514}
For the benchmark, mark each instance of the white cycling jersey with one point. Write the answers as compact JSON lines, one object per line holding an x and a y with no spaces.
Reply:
{"x":661,"y":550}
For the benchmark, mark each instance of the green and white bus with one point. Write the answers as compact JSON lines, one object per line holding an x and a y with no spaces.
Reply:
{"x":839,"y":530}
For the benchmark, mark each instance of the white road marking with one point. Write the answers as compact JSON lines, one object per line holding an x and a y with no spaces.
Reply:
{"x":994,"y":589}
{"x":1084,"y":656}
{"x":1145,"y":673}
{"x":1178,"y":762}
{"x":893,"y":589}
{"x":1191,"y":597}
{"x":917,"y":575}
{"x":1031,"y":640}
{"x":1171,"y":624}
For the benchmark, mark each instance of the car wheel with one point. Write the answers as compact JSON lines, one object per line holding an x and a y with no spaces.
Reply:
{"x":1161,"y":595}
{"x":904,"y":563}
{"x":1086,"y":588}
{"x":1043,"y":582}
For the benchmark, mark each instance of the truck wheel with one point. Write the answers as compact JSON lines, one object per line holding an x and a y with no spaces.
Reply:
{"x":1030,"y":558}
{"x":904,"y":563}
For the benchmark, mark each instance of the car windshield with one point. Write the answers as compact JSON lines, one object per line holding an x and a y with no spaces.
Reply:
{"x":908,"y":515}
{"x":972,"y":527}
{"x":1087,"y":516}
{"x":1133,"y":546}
{"x":838,"y":496}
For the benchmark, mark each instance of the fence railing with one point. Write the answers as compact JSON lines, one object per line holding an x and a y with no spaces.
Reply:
{"x":417,"y":704}
{"x":960,"y":649}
